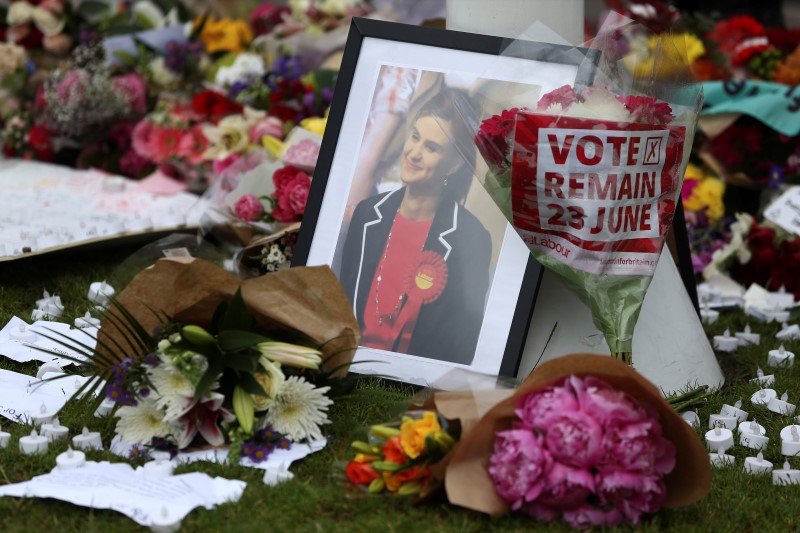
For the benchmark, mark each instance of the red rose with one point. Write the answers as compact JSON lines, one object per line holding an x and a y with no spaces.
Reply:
{"x":214,"y":106}
{"x":492,"y":137}
{"x":39,"y":141}
{"x":393,"y":451}
{"x":360,"y":473}
{"x":291,"y":193}
{"x":284,"y":112}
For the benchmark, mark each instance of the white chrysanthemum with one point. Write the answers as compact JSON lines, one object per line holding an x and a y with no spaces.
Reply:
{"x":244,"y":66}
{"x":138,"y":425}
{"x":600,"y":105}
{"x":299,"y":410}
{"x":554,"y":109}
{"x":173,"y":389}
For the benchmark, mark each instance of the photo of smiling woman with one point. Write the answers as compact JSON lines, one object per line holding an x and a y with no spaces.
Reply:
{"x":415,"y":261}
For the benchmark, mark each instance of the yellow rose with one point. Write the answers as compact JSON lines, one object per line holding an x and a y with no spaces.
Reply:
{"x":225,"y":35}
{"x":414,"y":431}
{"x":314,"y":125}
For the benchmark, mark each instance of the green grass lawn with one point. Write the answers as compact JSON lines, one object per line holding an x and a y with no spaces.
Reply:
{"x":317,"y":500}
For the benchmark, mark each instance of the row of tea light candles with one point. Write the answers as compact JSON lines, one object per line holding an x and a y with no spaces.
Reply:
{"x":50,"y":307}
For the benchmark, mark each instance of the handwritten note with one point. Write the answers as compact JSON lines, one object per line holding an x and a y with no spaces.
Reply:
{"x":785,"y":211}
{"x":119,"y":487}
{"x":44,"y":348}
{"x":21,"y":395}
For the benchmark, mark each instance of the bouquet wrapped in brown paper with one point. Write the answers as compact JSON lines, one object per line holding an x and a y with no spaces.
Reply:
{"x":192,"y":356}
{"x":584,"y":438}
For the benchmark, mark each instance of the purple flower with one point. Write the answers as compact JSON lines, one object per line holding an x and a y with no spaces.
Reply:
{"x":284,"y":443}
{"x":113,"y":393}
{"x":138,"y":452}
{"x":144,"y":392}
{"x":175,"y":57}
{"x":151,"y":360}
{"x":327,"y":94}
{"x":518,"y":466}
{"x":259,"y":453}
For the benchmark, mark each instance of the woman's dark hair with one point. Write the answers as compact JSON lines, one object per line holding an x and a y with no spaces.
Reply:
{"x":454,"y":107}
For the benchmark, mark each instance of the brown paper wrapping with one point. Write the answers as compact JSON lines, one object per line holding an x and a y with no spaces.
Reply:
{"x":465,"y":469}
{"x":306,"y":303}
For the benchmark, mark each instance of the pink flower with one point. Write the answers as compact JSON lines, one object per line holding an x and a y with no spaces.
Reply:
{"x":134,"y":88}
{"x":291,"y":193}
{"x":566,"y":487}
{"x":518,"y":466}
{"x":303,"y":154}
{"x":648,"y":110}
{"x":72,"y":85}
{"x":588,"y":516}
{"x":605,"y":404}
{"x":565,"y":96}
{"x":132,"y":164}
{"x":164,"y":143}
{"x":141,"y":138}
{"x":638,"y":447}
{"x":202,"y":417}
{"x":219,"y":165}
{"x":269,"y":126}
{"x":536,"y":409}
{"x":633,"y":494}
{"x":193,"y":144}
{"x":249,"y":208}
{"x":574,"y":438}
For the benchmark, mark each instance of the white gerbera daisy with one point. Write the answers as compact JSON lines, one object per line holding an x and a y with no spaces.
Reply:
{"x":139,"y":424}
{"x":173,"y":390}
{"x":299,"y":410}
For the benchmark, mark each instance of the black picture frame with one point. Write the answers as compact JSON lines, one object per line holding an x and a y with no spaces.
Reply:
{"x":362,"y":30}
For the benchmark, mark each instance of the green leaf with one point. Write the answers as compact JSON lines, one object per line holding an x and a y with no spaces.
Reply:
{"x":90,"y":9}
{"x":243,"y":409}
{"x":325,"y":78}
{"x":233,"y":340}
{"x":251,"y":385}
{"x":143,"y":22}
{"x":126,"y":57}
{"x":236,"y":316}
{"x":243,"y":362}
{"x":208,"y":379}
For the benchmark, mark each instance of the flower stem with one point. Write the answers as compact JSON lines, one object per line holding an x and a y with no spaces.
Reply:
{"x":625,"y":357}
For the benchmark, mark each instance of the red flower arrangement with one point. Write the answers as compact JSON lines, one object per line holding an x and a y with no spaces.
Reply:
{"x":291,"y":194}
{"x":213,"y":106}
{"x":492,"y":138}
{"x":774,"y":263}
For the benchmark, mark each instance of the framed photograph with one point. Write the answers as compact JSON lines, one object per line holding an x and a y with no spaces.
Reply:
{"x":437,"y":278}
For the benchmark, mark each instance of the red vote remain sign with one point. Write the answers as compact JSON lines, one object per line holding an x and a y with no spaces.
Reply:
{"x":597,"y":195}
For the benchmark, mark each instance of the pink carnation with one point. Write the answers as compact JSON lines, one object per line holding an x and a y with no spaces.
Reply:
{"x":633,"y":494}
{"x":518,"y":466}
{"x":193,"y":145}
{"x":291,"y":194}
{"x":164,"y":143}
{"x":134,"y":88}
{"x":141,"y":138}
{"x":564,"y":96}
{"x":219,"y":165}
{"x":249,"y":208}
{"x":647,"y":110}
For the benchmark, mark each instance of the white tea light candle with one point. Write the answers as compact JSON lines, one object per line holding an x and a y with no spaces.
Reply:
{"x":44,"y":416}
{"x":790,"y":440}
{"x":100,"y":293}
{"x":757,"y":465}
{"x":719,"y":439}
{"x":781,"y":299}
{"x":735,"y":410}
{"x":720,"y":459}
{"x":762,"y":379}
{"x":753,"y":435}
{"x":87,"y":440}
{"x":55,"y":430}
{"x":780,"y":358}
{"x":157,"y":469}
{"x":5,"y":436}
{"x":163,"y":522}
{"x":725,"y":343}
{"x":33,"y":444}
{"x":777,"y":315}
{"x":70,"y":459}
{"x":748,"y":337}
{"x":708,"y":315}
{"x":763,"y":396}
{"x":786,"y":476}
{"x":781,"y":405}
{"x":22,"y":334}
{"x":788,"y":333}
{"x":691,"y":418}
{"x":721,"y":420}
{"x":105,"y":408}
{"x":87,"y":321}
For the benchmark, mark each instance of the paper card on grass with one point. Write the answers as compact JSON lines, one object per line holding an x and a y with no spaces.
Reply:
{"x":36,"y":349}
{"x":119,"y":487}
{"x":785,"y":211}
{"x":22,"y":395}
{"x":278,"y":459}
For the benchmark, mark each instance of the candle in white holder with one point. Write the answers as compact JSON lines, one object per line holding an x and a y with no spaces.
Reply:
{"x":725,"y":343}
{"x":753,"y":435}
{"x":53,"y":307}
{"x":87,"y":321}
{"x":87,"y":440}
{"x":735,"y":410}
{"x":790,"y":440}
{"x":5,"y":436}
{"x":691,"y":418}
{"x":719,"y":439}
{"x":763,"y":396}
{"x":70,"y":459}
{"x":709,"y":293}
{"x":157,"y":469}
{"x":708,"y":315}
{"x":44,"y":416}
{"x":43,"y":300}
{"x":781,"y":405}
{"x":762,"y":379}
{"x":786,"y":476}
{"x":100,"y":293}
{"x":720,"y":459}
{"x":781,"y":299}
{"x":22,"y":334}
{"x":778,"y":315}
{"x":105,"y":408}
{"x":748,"y":337}
{"x":788,"y":333}
{"x":33,"y":444}
{"x":722,"y":420}
{"x":163,"y":522}
{"x":55,"y":430}
{"x":780,"y":358}
{"x":757,"y":465}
